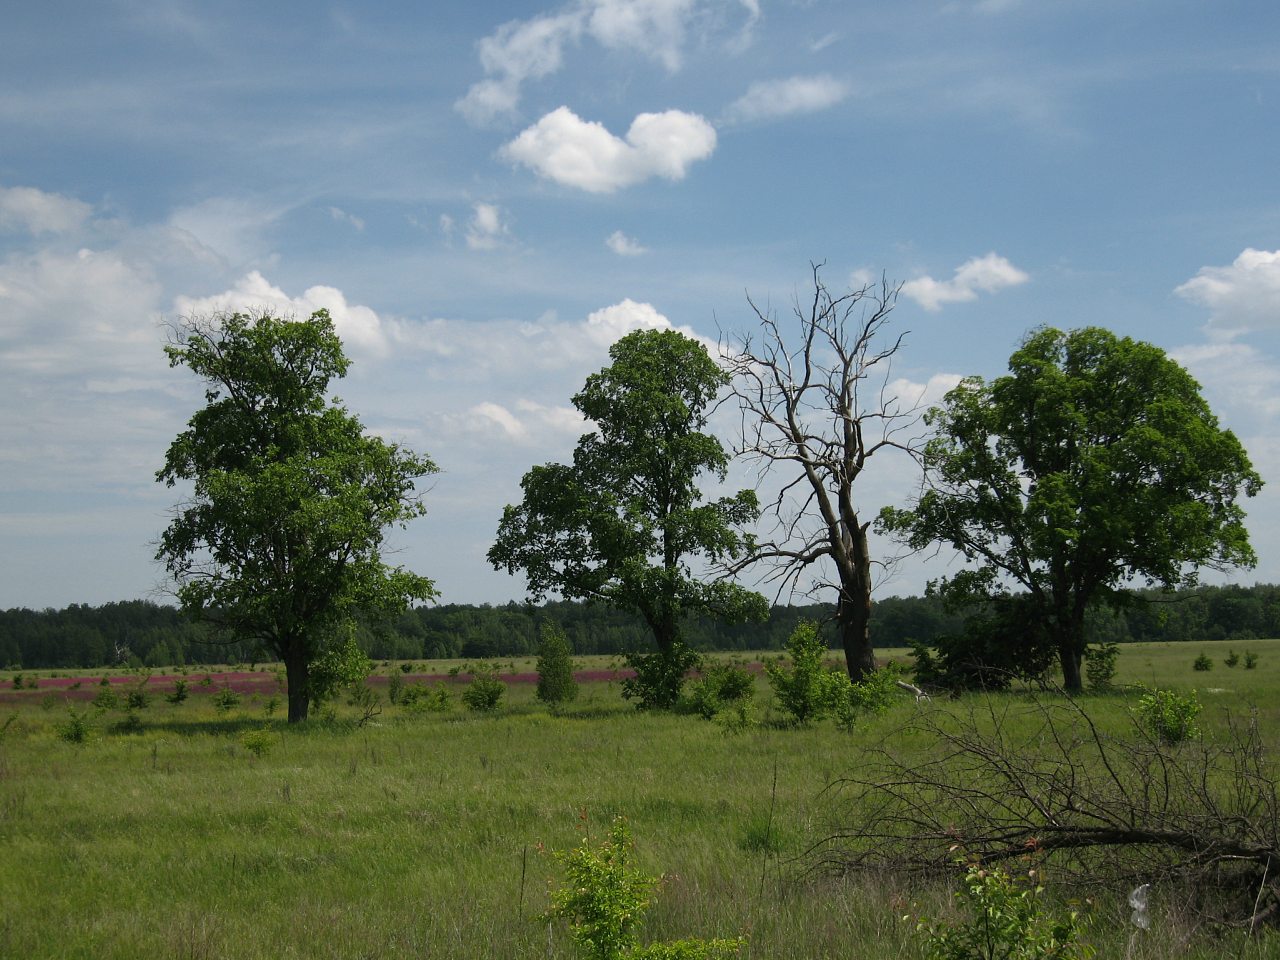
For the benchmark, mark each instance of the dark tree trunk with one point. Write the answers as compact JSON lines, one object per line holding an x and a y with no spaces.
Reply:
{"x":1069,"y":657}
{"x":297,"y":672}
{"x":853,"y":618}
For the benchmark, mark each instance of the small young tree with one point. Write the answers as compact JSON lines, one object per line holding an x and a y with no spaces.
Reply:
{"x":555,"y":667}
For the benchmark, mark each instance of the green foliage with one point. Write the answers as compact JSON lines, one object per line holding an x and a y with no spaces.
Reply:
{"x":1232,"y":660}
{"x":485,"y":691}
{"x":555,"y":667}
{"x":435,"y":699}
{"x":342,"y":664}
{"x":1202,"y":663}
{"x":1250,"y":660}
{"x":659,"y":676}
{"x":106,"y":698}
{"x":1005,"y":919}
{"x":281,"y":538}
{"x":1004,"y":640}
{"x":1094,"y":462}
{"x":395,"y":686}
{"x":604,"y":899}
{"x":76,"y":728}
{"x":590,"y":530}
{"x":1169,"y":716}
{"x":1100,"y":665}
{"x":178,"y":693}
{"x":17,"y":681}
{"x":804,"y":689}
{"x":226,"y":700}
{"x":136,"y":700}
{"x":258,"y":742}
{"x":721,"y":685}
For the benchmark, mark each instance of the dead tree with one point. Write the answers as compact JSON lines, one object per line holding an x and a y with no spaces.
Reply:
{"x":815,"y":412}
{"x":1039,"y":780}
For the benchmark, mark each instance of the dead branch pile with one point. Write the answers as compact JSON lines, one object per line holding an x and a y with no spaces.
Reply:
{"x":1038,"y":779}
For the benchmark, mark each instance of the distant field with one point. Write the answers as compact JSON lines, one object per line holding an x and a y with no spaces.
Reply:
{"x":423,"y":834}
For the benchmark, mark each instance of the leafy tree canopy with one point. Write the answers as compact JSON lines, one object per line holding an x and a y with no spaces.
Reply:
{"x":280,"y":540}
{"x":1096,"y":462}
{"x":622,"y":522}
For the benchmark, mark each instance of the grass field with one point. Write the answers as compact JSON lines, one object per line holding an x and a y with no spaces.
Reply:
{"x":426,"y":834}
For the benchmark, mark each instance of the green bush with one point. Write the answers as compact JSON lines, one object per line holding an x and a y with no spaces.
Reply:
{"x":1100,"y":665}
{"x":659,"y":677}
{"x":1232,"y":660}
{"x":555,"y":667}
{"x":1250,"y":660}
{"x":179,"y":692}
{"x":341,"y":665}
{"x":136,"y":700}
{"x":106,"y":698}
{"x":395,"y":687}
{"x":1169,"y":716}
{"x":484,"y":692}
{"x":604,"y":900}
{"x":75,"y":729}
{"x":420,"y":697}
{"x":1202,"y":663}
{"x":225,"y":700}
{"x":721,"y":685}
{"x":1005,"y":918}
{"x":804,"y":689}
{"x":258,"y":742}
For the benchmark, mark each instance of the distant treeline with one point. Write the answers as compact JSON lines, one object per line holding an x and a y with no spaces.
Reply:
{"x":142,"y":632}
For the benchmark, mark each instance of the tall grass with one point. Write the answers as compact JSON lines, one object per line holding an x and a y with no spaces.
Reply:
{"x":423,"y":836}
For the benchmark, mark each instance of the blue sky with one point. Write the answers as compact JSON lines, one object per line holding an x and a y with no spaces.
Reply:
{"x":486,"y":195}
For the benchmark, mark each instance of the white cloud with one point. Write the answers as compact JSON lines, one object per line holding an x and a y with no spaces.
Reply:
{"x":1245,"y":295}
{"x":623,"y":245}
{"x":357,"y":325}
{"x":780,"y":98}
{"x":495,"y":415}
{"x":343,"y":217}
{"x":579,"y":153}
{"x":824,"y":41}
{"x":230,"y":231}
{"x":523,"y":50}
{"x":609,"y":324}
{"x":1242,"y":377}
{"x":987,"y":274}
{"x":486,"y":229}
{"x":38,"y":212}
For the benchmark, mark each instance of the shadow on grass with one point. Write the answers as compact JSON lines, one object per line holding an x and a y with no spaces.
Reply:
{"x":222,"y":726}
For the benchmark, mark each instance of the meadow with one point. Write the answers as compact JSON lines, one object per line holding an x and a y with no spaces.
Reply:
{"x":198,"y":832}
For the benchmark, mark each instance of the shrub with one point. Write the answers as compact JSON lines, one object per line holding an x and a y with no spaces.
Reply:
{"x":604,"y":899}
{"x":270,"y":705}
{"x":136,"y":700}
{"x":555,"y":667}
{"x":342,"y":664}
{"x":179,"y":692}
{"x":659,"y":676}
{"x":258,"y":742}
{"x":420,"y":697}
{"x":75,"y":729}
{"x":1232,"y":660}
{"x":1250,"y":660}
{"x":17,"y":681}
{"x":226,"y":700}
{"x":720,"y":686}
{"x":395,"y":686}
{"x":1169,"y":716}
{"x":1100,"y":665}
{"x":484,"y":692}
{"x":1202,"y":663}
{"x":1005,"y":919}
{"x":106,"y":699}
{"x":803,"y":689}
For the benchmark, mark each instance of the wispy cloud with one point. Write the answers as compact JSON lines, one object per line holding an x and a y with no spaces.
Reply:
{"x":623,"y":245}
{"x":770,"y":99}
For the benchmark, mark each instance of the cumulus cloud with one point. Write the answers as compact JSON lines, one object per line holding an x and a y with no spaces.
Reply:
{"x":612,"y":323}
{"x":486,"y":229}
{"x":579,"y":153}
{"x":357,"y":325}
{"x":769,"y":99}
{"x":524,"y":50}
{"x":1242,"y":376}
{"x":986,"y":274}
{"x":37,"y":212}
{"x":623,"y":245}
{"x":1242,"y":296}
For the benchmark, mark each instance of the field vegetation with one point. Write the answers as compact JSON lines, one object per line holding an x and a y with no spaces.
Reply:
{"x":194,"y":827}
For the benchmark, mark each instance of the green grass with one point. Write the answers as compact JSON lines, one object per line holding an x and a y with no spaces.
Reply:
{"x":425,"y":835}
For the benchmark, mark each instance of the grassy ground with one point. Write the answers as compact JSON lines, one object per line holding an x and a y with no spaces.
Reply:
{"x":425,"y":834}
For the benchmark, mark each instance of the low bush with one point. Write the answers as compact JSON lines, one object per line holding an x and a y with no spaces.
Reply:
{"x":484,"y":693}
{"x":720,"y":686}
{"x":1169,"y":716}
{"x":1202,"y":663}
{"x":659,"y":676}
{"x":555,"y":667}
{"x":226,"y":700}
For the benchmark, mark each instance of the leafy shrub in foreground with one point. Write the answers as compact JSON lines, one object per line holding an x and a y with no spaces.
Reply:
{"x":803,"y":689}
{"x":225,"y":700}
{"x":720,"y":686}
{"x":1169,"y":716}
{"x":1100,"y":665}
{"x":604,"y":899}
{"x":75,"y":729}
{"x":1006,"y":919}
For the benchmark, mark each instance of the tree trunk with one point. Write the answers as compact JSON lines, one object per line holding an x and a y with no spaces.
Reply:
{"x":297,"y":673}
{"x":853,"y":617}
{"x":1069,"y":658}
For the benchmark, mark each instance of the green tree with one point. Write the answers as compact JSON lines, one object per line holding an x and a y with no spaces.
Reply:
{"x":555,"y":666}
{"x":1096,"y":462}
{"x":621,"y":523}
{"x":280,"y":539}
